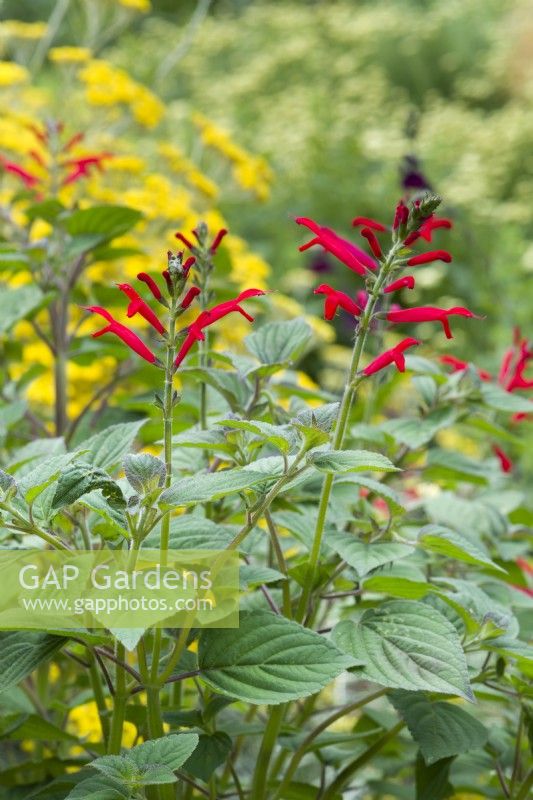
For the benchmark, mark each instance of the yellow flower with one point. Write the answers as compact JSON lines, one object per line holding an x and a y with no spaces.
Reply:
{"x":137,"y":5}
{"x":18,"y":29}
{"x":147,"y":108}
{"x":84,"y":722}
{"x":12,"y":74}
{"x":69,"y":55}
{"x":131,"y":164}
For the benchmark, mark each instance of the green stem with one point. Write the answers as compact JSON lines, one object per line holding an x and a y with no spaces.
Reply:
{"x":309,"y":739}
{"x":340,"y":429}
{"x":119,"y":705}
{"x":259,"y":784}
{"x":282,"y":566}
{"x":98,"y":692}
{"x":344,"y":776}
{"x":523,"y":792}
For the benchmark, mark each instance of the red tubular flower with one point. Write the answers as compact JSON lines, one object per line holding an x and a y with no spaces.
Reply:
{"x":187,"y":265}
{"x":347,"y":252}
{"x":335,"y":300}
{"x":371,"y":238}
{"x":431,"y":224}
{"x":406,"y":282}
{"x":430,"y":314}
{"x":401,"y":215}
{"x":517,"y":380}
{"x":427,"y":258}
{"x":138,"y":306}
{"x":168,"y":280}
{"x":195,"y":330}
{"x":82,"y":166}
{"x":361,"y":298}
{"x":459,"y":365}
{"x":393,"y":356}
{"x":216,"y":241}
{"x":26,"y":177}
{"x":193,"y":292}
{"x":76,"y":139}
{"x":506,"y":464}
{"x":185,"y":241}
{"x":128,"y":337}
{"x":368,"y":223}
{"x":152,"y":285}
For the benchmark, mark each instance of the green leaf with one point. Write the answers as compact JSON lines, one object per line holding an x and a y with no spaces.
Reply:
{"x":144,"y":472}
{"x":209,"y":486}
{"x":204,"y":440}
{"x":230,"y":385}
{"x":375,"y":487}
{"x":416,"y":432}
{"x":104,"y":222}
{"x":268,"y":659}
{"x":496,"y":397}
{"x":34,"y":728}
{"x":189,"y":532}
{"x":440,"y":729}
{"x":212,"y":751}
{"x":454,"y":466}
{"x":251,"y":575}
{"x":397,"y":586}
{"x":339,"y":461}
{"x":281,"y":436}
{"x":16,"y":304}
{"x":447,"y":542}
{"x":83,"y":478}
{"x":112,"y":523}
{"x":279,"y":341}
{"x":407,"y":645}
{"x":363,"y":556}
{"x":21,"y":652}
{"x":8,"y":485}
{"x":107,"y":448}
{"x":32,"y":483}
{"x":99,"y":787}
{"x":432,"y":780}
{"x":323,"y":417}
{"x":168,"y":751}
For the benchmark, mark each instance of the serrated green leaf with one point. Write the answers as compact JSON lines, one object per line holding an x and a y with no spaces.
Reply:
{"x":448,"y":543}
{"x":281,"y":436}
{"x":144,"y":472}
{"x":279,"y":341}
{"x":36,"y":480}
{"x":81,"y":479}
{"x":209,"y":486}
{"x":107,"y":448}
{"x":211,"y":752}
{"x":169,"y":751}
{"x":339,"y":461}
{"x":268,"y":660}
{"x":363,"y":556}
{"x":440,"y":729}
{"x":188,"y":532}
{"x":416,"y":432}
{"x":104,"y":222}
{"x":382,"y":490}
{"x":496,"y":397}
{"x":21,"y":652}
{"x":407,"y":645}
{"x":15,"y":304}
{"x":99,"y":787}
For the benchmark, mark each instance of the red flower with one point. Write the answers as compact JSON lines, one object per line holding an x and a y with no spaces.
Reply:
{"x":371,"y":238}
{"x":459,"y":365}
{"x":431,"y":224}
{"x":361,"y":298}
{"x":26,"y":177}
{"x":369,"y":223}
{"x":430,"y":314}
{"x":517,"y":380}
{"x":138,"y":306}
{"x":407,"y":281}
{"x":214,"y":245}
{"x":193,"y":292}
{"x":81,"y":166}
{"x":393,"y":356}
{"x":401,"y":215}
{"x":128,"y":337}
{"x":506,"y":464}
{"x":183,"y":239}
{"x":152,"y":285}
{"x":347,"y":252}
{"x":427,"y":258}
{"x":335,"y":300}
{"x":195,"y":330}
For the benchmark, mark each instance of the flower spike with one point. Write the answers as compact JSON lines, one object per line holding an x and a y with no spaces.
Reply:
{"x":128,"y":337}
{"x":393,"y":356}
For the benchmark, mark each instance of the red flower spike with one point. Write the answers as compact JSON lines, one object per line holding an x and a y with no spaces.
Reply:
{"x":459,"y":365}
{"x":26,"y":177}
{"x":216,"y":241}
{"x":128,"y":337}
{"x":427,"y":258}
{"x":195,"y":330}
{"x":401,"y":215}
{"x":375,"y":246}
{"x":431,"y":224}
{"x":406,"y":282}
{"x":506,"y":465}
{"x":335,"y":300}
{"x":430,"y":314}
{"x":193,"y":292}
{"x":185,"y":241}
{"x":368,"y":223}
{"x":347,"y":252}
{"x":393,"y":356}
{"x":152,"y":285}
{"x":138,"y":306}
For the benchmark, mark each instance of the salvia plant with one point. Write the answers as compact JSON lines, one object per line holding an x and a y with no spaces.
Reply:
{"x":382,"y":642}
